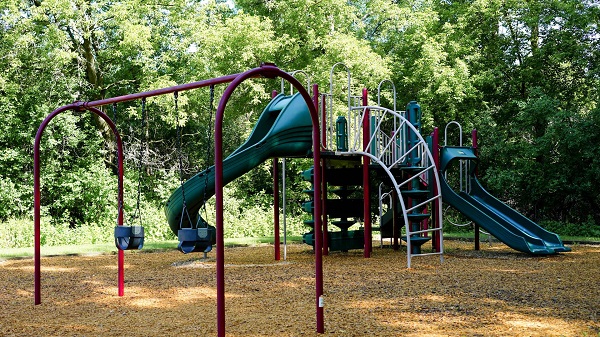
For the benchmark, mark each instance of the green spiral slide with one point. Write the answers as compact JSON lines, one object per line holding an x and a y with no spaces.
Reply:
{"x":284,"y":129}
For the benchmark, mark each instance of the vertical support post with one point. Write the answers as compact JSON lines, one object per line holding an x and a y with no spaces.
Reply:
{"x":474,"y":141}
{"x":318,"y":217}
{"x":276,"y":238}
{"x":324,"y":210}
{"x":284,"y":209}
{"x":323,"y":141}
{"x":366,"y":190}
{"x":396,"y":224}
{"x":435,"y":148}
{"x":323,"y":120}
{"x":276,"y":208}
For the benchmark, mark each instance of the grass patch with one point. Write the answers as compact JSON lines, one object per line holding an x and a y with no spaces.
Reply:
{"x":483,"y":237}
{"x":93,"y":249}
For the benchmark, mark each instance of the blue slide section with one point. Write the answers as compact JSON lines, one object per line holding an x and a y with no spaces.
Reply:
{"x":501,"y":221}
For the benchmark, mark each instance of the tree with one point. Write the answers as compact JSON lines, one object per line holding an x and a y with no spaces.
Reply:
{"x":546,"y":89}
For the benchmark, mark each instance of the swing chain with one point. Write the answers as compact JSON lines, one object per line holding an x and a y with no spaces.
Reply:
{"x":179,"y":155}
{"x":120,"y":184}
{"x":114,"y":112}
{"x":208,"y":147}
{"x":128,"y":236}
{"x":137,"y":214}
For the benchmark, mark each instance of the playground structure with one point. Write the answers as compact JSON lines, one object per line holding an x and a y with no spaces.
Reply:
{"x":392,"y":152}
{"x":367,"y":146}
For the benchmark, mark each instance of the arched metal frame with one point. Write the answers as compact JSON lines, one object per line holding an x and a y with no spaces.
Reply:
{"x":329,"y":128}
{"x":363,"y":149}
{"x":37,"y":193}
{"x":91,"y":106}
{"x":393,"y":93}
{"x":269,"y":71}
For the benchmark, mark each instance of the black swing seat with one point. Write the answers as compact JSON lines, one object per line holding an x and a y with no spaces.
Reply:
{"x":129,"y":237}
{"x":196,"y":239}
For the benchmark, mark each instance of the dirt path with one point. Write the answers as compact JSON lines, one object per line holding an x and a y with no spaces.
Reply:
{"x":494,"y":292}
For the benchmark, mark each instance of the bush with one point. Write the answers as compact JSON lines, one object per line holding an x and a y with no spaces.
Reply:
{"x":588,"y":228}
{"x":18,"y":233}
{"x":244,"y":220}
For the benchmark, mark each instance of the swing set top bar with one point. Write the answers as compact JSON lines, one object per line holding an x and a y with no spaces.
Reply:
{"x":158,"y":92}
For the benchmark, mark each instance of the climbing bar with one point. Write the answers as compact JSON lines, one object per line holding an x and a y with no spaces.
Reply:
{"x":423,"y":203}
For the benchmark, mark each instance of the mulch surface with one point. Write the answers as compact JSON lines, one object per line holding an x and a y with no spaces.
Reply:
{"x":492,"y":292}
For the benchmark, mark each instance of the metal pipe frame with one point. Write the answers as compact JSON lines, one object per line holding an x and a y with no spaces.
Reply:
{"x":37,"y":194}
{"x":265,"y":70}
{"x":270,"y":71}
{"x":368,"y":242}
{"x":91,"y":106}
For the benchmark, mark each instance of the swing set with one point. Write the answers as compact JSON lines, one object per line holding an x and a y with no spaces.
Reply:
{"x":200,"y":237}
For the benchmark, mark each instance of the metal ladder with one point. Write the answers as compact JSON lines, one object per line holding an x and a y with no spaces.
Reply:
{"x":388,"y":146}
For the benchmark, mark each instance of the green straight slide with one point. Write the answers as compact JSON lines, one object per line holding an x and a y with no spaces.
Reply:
{"x":284,"y":129}
{"x":501,"y":221}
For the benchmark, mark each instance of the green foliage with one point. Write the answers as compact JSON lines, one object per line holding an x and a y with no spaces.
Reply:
{"x":18,"y":233}
{"x":588,"y":228}
{"x":525,"y":74}
{"x":244,"y":219}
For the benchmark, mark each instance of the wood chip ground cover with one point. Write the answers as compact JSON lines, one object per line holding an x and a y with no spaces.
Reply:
{"x":492,"y":292}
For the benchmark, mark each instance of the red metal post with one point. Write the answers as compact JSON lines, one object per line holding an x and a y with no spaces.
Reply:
{"x":317,"y":179}
{"x":474,"y":140}
{"x":324,"y":182}
{"x":37,"y":194}
{"x":276,"y":207}
{"x":395,"y":222}
{"x":267,"y":71}
{"x":323,"y":121}
{"x":276,"y":239}
{"x":366,"y":189}
{"x":324,"y":210}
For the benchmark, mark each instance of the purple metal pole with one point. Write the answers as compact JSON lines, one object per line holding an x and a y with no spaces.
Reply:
{"x":270,"y":71}
{"x":474,"y":140}
{"x":276,"y":202}
{"x":37,"y":194}
{"x":366,"y":190}
{"x":325,"y":242}
{"x":157,"y":92}
{"x":323,"y":121}
{"x":276,"y":207}
{"x":317,"y":182}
